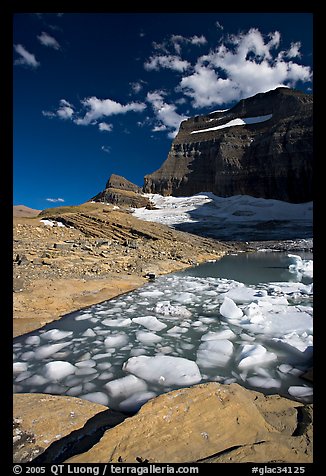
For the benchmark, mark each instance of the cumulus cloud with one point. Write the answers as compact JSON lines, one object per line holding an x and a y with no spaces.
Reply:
{"x":245,"y":64}
{"x":47,"y":40}
{"x":165,"y":113}
{"x":166,"y":62}
{"x":54,"y":200}
{"x":104,"y":126}
{"x":66,"y":110}
{"x":170,"y":60}
{"x":99,"y":108}
{"x":26,"y":58}
{"x":294,"y":50}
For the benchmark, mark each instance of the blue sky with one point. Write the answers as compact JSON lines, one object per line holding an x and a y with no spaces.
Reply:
{"x":96,"y":94}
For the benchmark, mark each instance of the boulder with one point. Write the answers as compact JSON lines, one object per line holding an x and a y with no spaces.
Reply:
{"x":41,"y":421}
{"x":206,"y":422}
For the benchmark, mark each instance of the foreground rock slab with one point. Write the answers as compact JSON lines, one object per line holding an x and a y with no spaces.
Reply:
{"x":209,"y":423}
{"x":41,"y":421}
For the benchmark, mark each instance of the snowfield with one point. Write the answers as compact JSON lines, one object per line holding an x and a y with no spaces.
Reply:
{"x":243,"y":215}
{"x":237,"y":122}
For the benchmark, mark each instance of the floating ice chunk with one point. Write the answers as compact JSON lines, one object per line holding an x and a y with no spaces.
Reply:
{"x":106,"y":376}
{"x":104,"y":365}
{"x":264,"y":382}
{"x":133,"y":403}
{"x":247,"y":337}
{"x":255,"y":354}
{"x":224,"y":334}
{"x":19,"y":367}
{"x":290,"y":288}
{"x":124,"y":387}
{"x":117,"y":322}
{"x":214,"y":353}
{"x":167,"y":309}
{"x":136,"y":352}
{"x":254,"y":313}
{"x":89,"y":333}
{"x":207,"y":320}
{"x":83,"y":317}
{"x":230,"y":310}
{"x":55,"y":334}
{"x":243,"y":295}
{"x":101,"y":356}
{"x":58,"y":370}
{"x":33,"y":340}
{"x":36,"y":380}
{"x":27,"y":355}
{"x":46,"y":350}
{"x":299,"y":391}
{"x":300,"y":266}
{"x":147,"y":337}
{"x":288,"y":369}
{"x":72,"y":380}
{"x":75,"y":391}
{"x":150,"y":322}
{"x":85,"y":371}
{"x":89,"y":386}
{"x":185,"y":298}
{"x":196,"y":324}
{"x":298,"y":342}
{"x":152,"y":294}
{"x":116,"y":341}
{"x":23,"y":376}
{"x":176,"y":330}
{"x":164,"y":370}
{"x":96,"y":397}
{"x":86,"y":363}
{"x":167,"y":349}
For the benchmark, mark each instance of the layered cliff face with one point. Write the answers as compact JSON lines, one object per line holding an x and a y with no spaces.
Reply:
{"x":262,"y":147}
{"x":120,"y":191}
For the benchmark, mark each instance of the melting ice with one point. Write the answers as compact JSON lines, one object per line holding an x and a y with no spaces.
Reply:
{"x":178,"y":331}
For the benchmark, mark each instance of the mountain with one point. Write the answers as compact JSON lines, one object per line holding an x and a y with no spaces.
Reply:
{"x":119,"y":191}
{"x":24,"y":212}
{"x":262,"y":147}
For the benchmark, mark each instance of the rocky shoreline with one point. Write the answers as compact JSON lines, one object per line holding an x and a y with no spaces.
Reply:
{"x":100,"y":253}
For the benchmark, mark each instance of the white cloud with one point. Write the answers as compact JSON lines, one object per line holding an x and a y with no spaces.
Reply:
{"x":49,"y":114}
{"x":47,"y":40}
{"x":206,"y":88}
{"x":198,"y":40}
{"x":26,"y":58}
{"x":244,"y":65}
{"x":137,"y":86}
{"x":66,"y":110}
{"x":219,"y":25}
{"x":98,"y":108}
{"x":104,"y":126}
{"x":166,"y":62}
{"x":54,"y":200}
{"x":159,"y":128}
{"x":165,"y":113}
{"x":106,"y":149}
{"x":294,"y":50}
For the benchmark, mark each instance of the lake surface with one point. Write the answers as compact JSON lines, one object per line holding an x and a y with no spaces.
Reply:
{"x":246,"y":318}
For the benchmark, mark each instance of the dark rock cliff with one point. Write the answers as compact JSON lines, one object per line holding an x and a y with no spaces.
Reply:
{"x":269,"y":159}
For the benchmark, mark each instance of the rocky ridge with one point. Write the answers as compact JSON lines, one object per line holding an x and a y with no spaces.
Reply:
{"x":268,"y":159}
{"x":99,"y":253}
